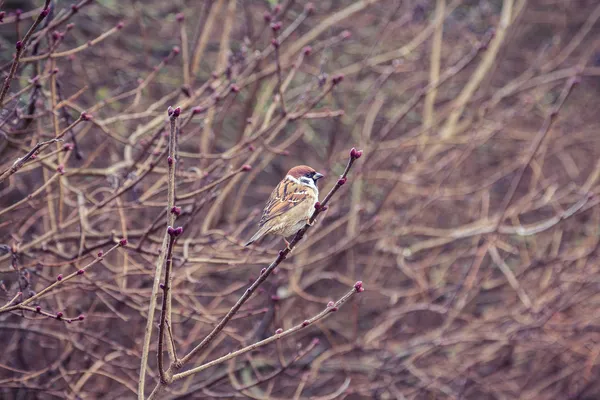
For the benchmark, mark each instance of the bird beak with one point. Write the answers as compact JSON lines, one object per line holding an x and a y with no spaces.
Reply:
{"x":317,"y":176}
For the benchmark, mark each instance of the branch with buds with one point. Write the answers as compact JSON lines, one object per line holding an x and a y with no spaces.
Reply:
{"x":170,"y":375}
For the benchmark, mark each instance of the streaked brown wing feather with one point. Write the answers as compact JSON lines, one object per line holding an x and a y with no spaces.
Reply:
{"x":287,"y":195}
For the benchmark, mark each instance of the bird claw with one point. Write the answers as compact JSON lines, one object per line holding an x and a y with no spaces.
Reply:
{"x":287,"y":245}
{"x":309,"y":223}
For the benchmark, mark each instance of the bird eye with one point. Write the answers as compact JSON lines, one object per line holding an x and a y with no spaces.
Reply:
{"x":309,"y":174}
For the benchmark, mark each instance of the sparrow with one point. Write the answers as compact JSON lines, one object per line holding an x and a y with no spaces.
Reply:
{"x":290,"y":205}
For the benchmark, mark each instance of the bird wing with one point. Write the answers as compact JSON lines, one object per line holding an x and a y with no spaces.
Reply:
{"x":287,"y":195}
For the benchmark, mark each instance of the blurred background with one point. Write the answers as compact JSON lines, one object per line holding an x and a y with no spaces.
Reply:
{"x":472,"y":217}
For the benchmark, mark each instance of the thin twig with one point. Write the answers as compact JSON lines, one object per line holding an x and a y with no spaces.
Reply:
{"x":21,"y":46}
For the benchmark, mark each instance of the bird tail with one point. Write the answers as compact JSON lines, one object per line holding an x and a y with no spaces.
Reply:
{"x":257,"y":236}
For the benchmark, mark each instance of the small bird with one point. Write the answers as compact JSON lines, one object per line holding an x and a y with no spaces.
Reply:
{"x":290,"y":205}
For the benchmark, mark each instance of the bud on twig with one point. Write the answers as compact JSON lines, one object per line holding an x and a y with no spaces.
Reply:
{"x":276,"y":26}
{"x":123,"y":242}
{"x":355,"y":153}
{"x":358,"y":286}
{"x":174,"y":232}
{"x":337,"y":78}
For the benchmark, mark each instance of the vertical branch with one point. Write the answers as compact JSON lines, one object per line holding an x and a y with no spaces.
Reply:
{"x":55,"y":124}
{"x":205,"y":142}
{"x":185,"y":51}
{"x":203,"y":40}
{"x":173,"y":233}
{"x":275,"y":42}
{"x":434,"y":68}
{"x":172,"y":160}
{"x":482,"y":69}
{"x":173,"y":115}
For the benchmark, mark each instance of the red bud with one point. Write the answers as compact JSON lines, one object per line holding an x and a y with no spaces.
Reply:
{"x":358,"y":286}
{"x":337,"y":78}
{"x":275,"y":26}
